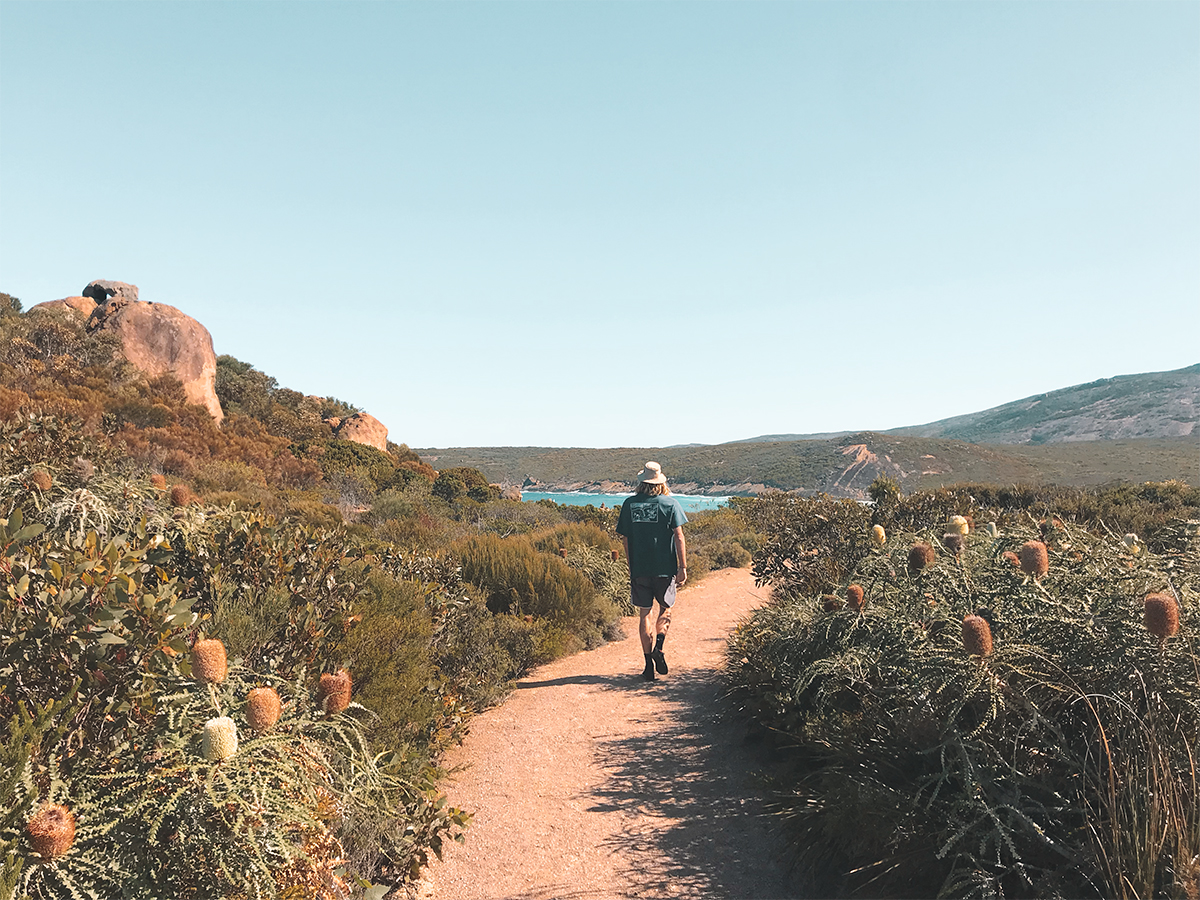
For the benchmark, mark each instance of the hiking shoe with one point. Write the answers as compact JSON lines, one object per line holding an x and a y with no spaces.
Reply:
{"x":660,"y":662}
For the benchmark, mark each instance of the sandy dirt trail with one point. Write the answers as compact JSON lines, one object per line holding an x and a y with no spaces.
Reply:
{"x":591,"y":783}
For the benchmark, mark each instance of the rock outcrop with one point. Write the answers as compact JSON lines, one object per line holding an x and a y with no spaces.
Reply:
{"x":73,"y":306}
{"x":363,"y":429}
{"x":158,"y":340}
{"x":102,"y":291}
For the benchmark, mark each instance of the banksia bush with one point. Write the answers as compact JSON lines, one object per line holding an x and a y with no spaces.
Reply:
{"x":182,"y":495}
{"x":878,"y":535}
{"x":1035,"y":560}
{"x":220,"y":739}
{"x":1161,"y":615}
{"x":51,"y":831}
{"x":977,"y":636}
{"x":953,"y":542}
{"x":920,"y":557}
{"x":335,"y":691}
{"x":958,"y":525}
{"x":41,"y":480}
{"x":854,"y":597}
{"x":159,"y":481}
{"x":262,"y":708}
{"x":208,"y":661}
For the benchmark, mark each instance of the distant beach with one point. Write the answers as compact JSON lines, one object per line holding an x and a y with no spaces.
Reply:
{"x":689,"y":502}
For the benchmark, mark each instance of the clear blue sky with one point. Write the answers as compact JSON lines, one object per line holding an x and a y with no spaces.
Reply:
{"x":622,"y":224}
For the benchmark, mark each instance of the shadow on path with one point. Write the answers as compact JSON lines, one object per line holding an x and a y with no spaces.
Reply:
{"x":694,"y":826}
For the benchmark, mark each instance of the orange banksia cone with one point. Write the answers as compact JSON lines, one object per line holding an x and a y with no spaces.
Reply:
{"x":208,"y":661}
{"x":335,"y":691}
{"x":921,"y":556}
{"x":262,"y":708}
{"x":1161,"y":615}
{"x":51,"y":831}
{"x":1035,"y":560}
{"x":977,"y":636}
{"x":854,"y":597}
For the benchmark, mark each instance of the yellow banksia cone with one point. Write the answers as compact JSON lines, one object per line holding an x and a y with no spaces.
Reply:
{"x":208,"y":661}
{"x":1035,"y":560}
{"x":335,"y":691}
{"x":854,"y":597}
{"x":977,"y":636}
{"x":262,"y":708}
{"x":1161,"y":615}
{"x":1133,"y":542}
{"x":921,"y":556}
{"x":220,"y":739}
{"x":51,"y":830}
{"x":878,"y":535}
{"x":958,"y":525}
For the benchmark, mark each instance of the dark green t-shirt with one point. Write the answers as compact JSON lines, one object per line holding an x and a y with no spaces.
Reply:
{"x":649,"y":523}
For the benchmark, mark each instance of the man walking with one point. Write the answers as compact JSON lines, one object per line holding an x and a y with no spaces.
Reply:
{"x":651,"y":528}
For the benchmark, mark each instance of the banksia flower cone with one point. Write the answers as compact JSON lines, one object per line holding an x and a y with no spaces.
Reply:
{"x":1132,"y":542}
{"x":220,"y":739}
{"x":958,"y":525}
{"x":977,"y":636}
{"x":953,"y":542}
{"x":854,"y":597}
{"x":878,"y":535}
{"x":158,"y":481}
{"x":1161,"y":615}
{"x":40,"y":480}
{"x":51,"y":831}
{"x":208,"y":661}
{"x":262,"y":708}
{"x":181,"y":495}
{"x":831,"y":603}
{"x":1035,"y":560}
{"x":335,"y":691}
{"x":1011,"y":557}
{"x":921,"y":556}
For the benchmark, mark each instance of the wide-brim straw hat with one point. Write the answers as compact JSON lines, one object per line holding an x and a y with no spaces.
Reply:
{"x":652,"y":474}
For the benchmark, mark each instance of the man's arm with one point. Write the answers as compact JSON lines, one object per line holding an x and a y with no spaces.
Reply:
{"x":680,"y":556}
{"x":625,"y":544}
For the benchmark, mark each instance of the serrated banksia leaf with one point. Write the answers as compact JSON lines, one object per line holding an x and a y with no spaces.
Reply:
{"x":220,"y":739}
{"x":1035,"y":560}
{"x":1161,"y":615}
{"x":51,"y":830}
{"x":208,"y":661}
{"x":977,"y":636}
{"x":262,"y":708}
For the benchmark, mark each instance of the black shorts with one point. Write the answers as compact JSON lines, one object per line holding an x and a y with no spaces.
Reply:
{"x":645,"y":589}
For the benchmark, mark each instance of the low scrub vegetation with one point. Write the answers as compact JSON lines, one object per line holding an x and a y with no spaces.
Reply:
{"x":982,"y":692}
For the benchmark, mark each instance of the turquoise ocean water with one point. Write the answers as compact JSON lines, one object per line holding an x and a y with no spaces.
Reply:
{"x":690,"y":503}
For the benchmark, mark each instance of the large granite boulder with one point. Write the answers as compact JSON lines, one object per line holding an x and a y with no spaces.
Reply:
{"x":158,"y":339}
{"x":72,"y":306}
{"x":364,"y":429}
{"x":102,"y":291}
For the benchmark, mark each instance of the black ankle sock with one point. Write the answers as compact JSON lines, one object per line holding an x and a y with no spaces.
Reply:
{"x":658,"y":642}
{"x":648,"y":672}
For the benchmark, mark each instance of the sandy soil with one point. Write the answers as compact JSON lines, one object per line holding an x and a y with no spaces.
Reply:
{"x":590,"y":783}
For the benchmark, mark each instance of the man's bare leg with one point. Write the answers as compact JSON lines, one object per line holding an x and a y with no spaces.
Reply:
{"x":647,"y":637}
{"x":662,"y":626}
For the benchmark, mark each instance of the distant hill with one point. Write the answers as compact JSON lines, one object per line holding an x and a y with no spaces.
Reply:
{"x":841,"y":467}
{"x":1151,"y":405}
{"x":1156,"y":404}
{"x":1130,"y":428}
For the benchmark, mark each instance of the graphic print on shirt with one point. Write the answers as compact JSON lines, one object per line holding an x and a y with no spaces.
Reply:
{"x":639,"y":513}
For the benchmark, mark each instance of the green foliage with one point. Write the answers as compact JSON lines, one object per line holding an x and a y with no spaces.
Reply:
{"x":455,"y":483}
{"x":518,"y":580}
{"x":1061,"y":765}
